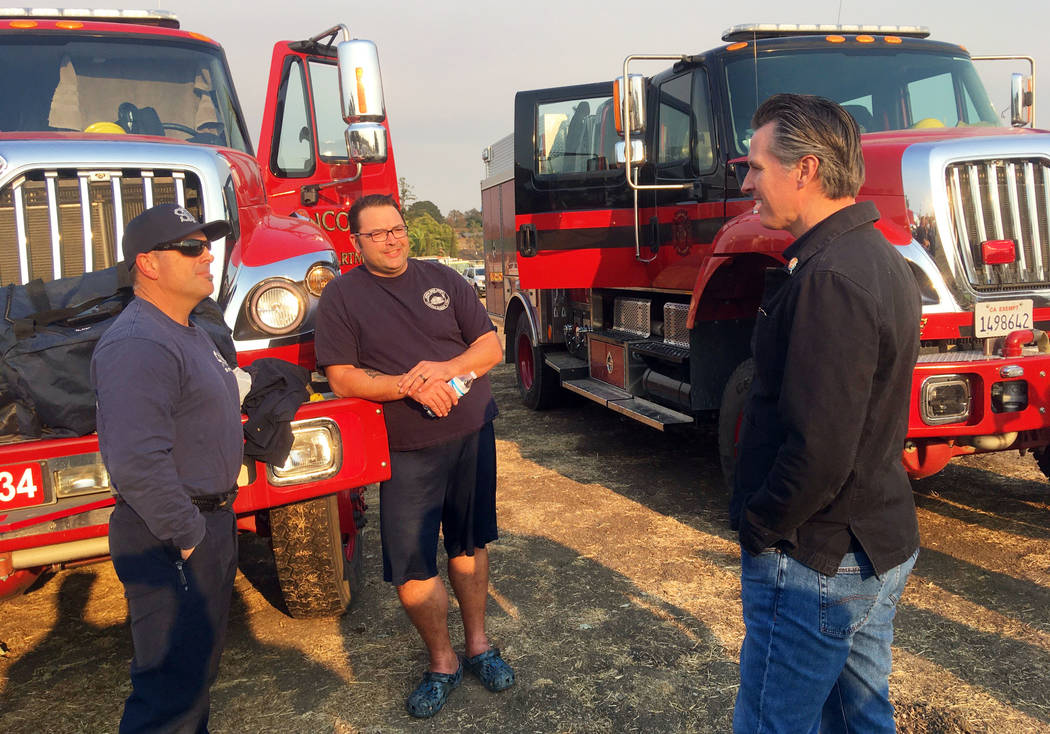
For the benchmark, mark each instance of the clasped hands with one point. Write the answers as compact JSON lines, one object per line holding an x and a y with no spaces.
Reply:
{"x":427,"y":384}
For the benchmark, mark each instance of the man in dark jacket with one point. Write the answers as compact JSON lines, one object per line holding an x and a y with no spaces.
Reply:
{"x":169,"y":428}
{"x":821,"y":501}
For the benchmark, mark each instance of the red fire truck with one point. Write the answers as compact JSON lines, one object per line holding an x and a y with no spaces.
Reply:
{"x":629,"y":265}
{"x":107,"y":113}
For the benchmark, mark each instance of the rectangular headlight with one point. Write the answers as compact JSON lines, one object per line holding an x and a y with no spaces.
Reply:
{"x":945,"y":399}
{"x":72,"y":476}
{"x":317,"y":453}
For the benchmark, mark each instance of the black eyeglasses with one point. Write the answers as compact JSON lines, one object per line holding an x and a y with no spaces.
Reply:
{"x":380,"y":236}
{"x":189,"y":248}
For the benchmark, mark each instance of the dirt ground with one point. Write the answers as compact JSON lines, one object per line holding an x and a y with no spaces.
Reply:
{"x":615,"y":595}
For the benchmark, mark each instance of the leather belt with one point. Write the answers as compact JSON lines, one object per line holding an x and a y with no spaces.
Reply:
{"x":204,"y":502}
{"x":214,"y":502}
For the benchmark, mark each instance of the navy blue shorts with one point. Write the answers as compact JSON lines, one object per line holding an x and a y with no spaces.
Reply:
{"x":451,"y":487}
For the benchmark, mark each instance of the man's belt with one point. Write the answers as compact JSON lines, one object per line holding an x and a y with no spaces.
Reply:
{"x":204,"y":502}
{"x":215,"y":502}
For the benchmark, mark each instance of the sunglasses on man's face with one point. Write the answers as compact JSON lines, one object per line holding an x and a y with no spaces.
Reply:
{"x":189,"y":248}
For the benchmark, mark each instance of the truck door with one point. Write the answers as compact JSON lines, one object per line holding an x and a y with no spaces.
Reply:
{"x":572,"y":205}
{"x":302,"y":148}
{"x":575,"y":219}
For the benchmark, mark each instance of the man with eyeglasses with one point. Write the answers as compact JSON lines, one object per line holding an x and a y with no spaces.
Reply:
{"x":396,"y":331}
{"x":169,"y":429}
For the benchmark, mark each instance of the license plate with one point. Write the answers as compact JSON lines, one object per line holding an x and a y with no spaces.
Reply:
{"x":999,"y":318}
{"x":21,"y":485}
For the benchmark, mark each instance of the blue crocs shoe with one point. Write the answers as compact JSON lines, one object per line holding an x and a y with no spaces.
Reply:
{"x":432,"y":692}
{"x":491,"y":669}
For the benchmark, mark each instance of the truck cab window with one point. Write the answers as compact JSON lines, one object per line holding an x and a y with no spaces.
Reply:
{"x":324,"y":88}
{"x":685,"y":144}
{"x":883,"y":88}
{"x":294,"y":153}
{"x":575,"y":136}
{"x":674,"y":128}
{"x":932,"y":101}
{"x":72,"y":83}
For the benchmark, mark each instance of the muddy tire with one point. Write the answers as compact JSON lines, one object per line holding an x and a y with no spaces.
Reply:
{"x":537,"y":383}
{"x":308,"y":553}
{"x":730,"y":415}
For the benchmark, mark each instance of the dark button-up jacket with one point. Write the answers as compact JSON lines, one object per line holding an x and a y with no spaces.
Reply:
{"x":835,"y":344}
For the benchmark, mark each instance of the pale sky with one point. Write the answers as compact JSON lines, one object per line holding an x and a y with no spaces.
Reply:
{"x":451,"y":67}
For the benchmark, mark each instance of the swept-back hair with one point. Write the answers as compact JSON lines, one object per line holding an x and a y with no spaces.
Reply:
{"x":811,"y":125}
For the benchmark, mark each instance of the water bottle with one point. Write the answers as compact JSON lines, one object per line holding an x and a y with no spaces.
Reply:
{"x":461,"y":384}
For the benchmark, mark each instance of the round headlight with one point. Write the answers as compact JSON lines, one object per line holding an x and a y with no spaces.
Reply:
{"x":277,"y":307}
{"x":318,"y":277}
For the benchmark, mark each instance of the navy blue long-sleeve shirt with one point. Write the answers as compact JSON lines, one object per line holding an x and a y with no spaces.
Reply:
{"x":169,"y":420}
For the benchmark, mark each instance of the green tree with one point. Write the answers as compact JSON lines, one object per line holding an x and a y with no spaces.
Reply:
{"x":429,"y":236}
{"x":425,"y":207}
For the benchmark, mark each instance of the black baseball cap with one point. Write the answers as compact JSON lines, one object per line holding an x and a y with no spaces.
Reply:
{"x":163,"y":224}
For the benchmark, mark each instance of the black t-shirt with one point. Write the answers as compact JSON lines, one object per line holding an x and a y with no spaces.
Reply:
{"x":429,"y":312}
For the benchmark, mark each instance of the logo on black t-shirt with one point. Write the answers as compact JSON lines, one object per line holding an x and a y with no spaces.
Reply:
{"x":222,"y":361}
{"x":436,"y":298}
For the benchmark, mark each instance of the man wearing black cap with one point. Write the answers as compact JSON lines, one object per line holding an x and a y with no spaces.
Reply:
{"x":169,"y":430}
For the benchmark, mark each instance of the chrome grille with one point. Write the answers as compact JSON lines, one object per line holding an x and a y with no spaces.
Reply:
{"x":675,"y":331}
{"x":632,"y":316}
{"x":997,"y":200}
{"x":62,"y":222}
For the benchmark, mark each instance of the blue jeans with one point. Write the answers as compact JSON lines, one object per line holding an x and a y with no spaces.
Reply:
{"x":816,"y":654}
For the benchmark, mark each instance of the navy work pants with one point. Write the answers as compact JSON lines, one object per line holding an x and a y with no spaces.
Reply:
{"x":178,"y":619}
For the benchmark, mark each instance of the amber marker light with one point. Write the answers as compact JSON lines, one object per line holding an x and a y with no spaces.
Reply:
{"x":835,"y":39}
{"x":737,"y":46}
{"x":202,"y":37}
{"x":23,"y":24}
{"x":362,"y":103}
{"x":892,"y":39}
{"x":70,"y":25}
{"x":865,"y":39}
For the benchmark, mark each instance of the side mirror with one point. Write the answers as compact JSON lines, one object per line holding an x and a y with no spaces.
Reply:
{"x":366,"y":142}
{"x":1020,"y":100}
{"x":637,"y":152}
{"x":635,"y":89}
{"x":360,"y":83}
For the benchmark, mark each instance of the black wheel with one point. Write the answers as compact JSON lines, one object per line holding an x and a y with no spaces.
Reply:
{"x":309,"y":556}
{"x":730,"y":416}
{"x":537,"y":382}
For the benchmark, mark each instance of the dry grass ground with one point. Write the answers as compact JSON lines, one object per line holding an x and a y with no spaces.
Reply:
{"x":614,"y":594}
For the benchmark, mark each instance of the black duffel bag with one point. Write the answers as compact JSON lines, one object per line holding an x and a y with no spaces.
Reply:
{"x":47,"y":335}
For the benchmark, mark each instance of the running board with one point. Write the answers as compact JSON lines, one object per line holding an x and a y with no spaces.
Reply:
{"x":567,"y":366}
{"x":651,"y":414}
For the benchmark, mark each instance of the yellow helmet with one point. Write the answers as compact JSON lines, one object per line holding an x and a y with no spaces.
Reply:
{"x":927,"y":122}
{"x":108,"y":128}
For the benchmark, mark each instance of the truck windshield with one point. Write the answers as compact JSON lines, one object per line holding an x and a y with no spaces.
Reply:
{"x":884,"y":89}
{"x":153,"y":86}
